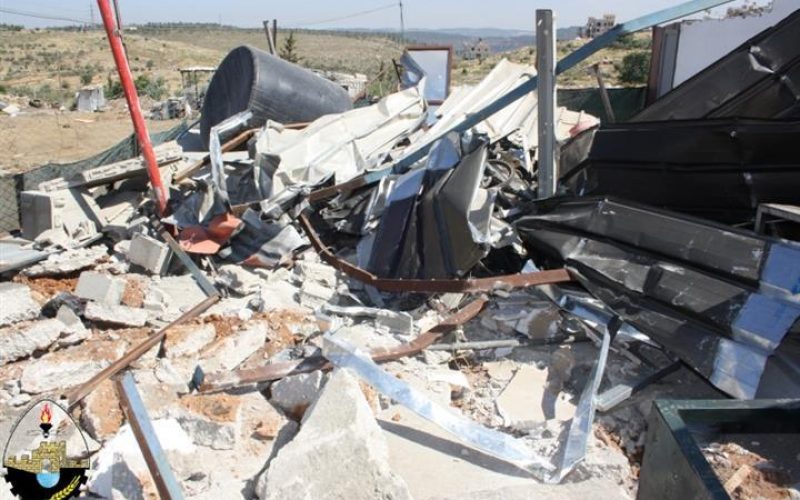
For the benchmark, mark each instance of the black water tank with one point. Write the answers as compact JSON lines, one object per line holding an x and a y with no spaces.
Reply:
{"x":273,"y":89}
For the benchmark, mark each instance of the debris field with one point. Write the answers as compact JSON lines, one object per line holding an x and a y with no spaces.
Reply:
{"x":340,"y":301}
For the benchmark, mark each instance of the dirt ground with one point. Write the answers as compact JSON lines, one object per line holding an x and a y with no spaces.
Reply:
{"x":39,"y":137}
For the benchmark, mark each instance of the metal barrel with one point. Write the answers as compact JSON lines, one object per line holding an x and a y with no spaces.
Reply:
{"x":273,"y":89}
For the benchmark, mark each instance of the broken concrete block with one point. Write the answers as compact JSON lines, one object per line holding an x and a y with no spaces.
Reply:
{"x":68,"y":262}
{"x":183,"y":340}
{"x":260,"y":420}
{"x":69,"y":367}
{"x":16,"y":303}
{"x":229,"y":352}
{"x":340,"y":452}
{"x":115,"y":315}
{"x":20,"y":341}
{"x":100,"y":287}
{"x":72,"y":210}
{"x":527,"y":400}
{"x":279,"y":295}
{"x":317,"y":272}
{"x":238,"y":279}
{"x":393,"y":321}
{"x":149,"y":253}
{"x":76,"y":332}
{"x":101,"y":414}
{"x":296,"y":393}
{"x":179,"y":293}
{"x":313,"y":294}
{"x":211,"y":420}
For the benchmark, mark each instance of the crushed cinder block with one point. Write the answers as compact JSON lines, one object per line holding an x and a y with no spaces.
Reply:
{"x":305,"y":270}
{"x":399,"y":322}
{"x":100,"y":287}
{"x":238,"y":279}
{"x":68,"y":262}
{"x":314,"y":294}
{"x":184,"y":340}
{"x":69,"y":367}
{"x":527,"y":400}
{"x":295,"y":393}
{"x":279,"y":295}
{"x":75,"y":332}
{"x":340,"y":452}
{"x":177,"y":294}
{"x":211,"y":420}
{"x":22,"y":340}
{"x":16,"y":303}
{"x":115,"y":315}
{"x":72,"y":210}
{"x":229,"y":352}
{"x":260,"y":420}
{"x":101,"y":414}
{"x":362,"y":335}
{"x":149,"y":253}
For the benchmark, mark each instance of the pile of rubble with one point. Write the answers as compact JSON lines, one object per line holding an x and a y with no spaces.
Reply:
{"x":378,"y":304}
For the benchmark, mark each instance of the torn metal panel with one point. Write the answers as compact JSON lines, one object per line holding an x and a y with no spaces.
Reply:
{"x":760,"y":79}
{"x":436,"y":223}
{"x":432,"y":285}
{"x":716,"y":169}
{"x":338,"y":146}
{"x":723,"y":329}
{"x":263,"y":244}
{"x":496,"y":443}
{"x":136,"y":414}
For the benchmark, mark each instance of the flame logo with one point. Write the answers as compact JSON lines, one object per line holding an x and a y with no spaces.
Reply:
{"x":46,"y":415}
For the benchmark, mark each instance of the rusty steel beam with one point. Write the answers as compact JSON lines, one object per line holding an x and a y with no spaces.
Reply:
{"x":136,"y":414}
{"x":227,"y":380}
{"x":519,"y":280}
{"x":84,"y":389}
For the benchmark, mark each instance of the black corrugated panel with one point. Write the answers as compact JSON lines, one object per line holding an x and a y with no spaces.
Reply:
{"x":717,"y":169}
{"x":759,"y":79}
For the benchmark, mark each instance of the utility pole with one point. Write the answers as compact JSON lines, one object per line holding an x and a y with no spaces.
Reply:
{"x":546,"y":95}
{"x":402,"y":23}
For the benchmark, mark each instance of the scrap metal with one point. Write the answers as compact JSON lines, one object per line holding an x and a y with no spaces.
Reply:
{"x":501,"y":445}
{"x":154,"y":456}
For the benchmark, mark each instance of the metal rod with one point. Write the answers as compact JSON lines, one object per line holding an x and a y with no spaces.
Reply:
{"x":80,"y":392}
{"x":145,"y":434}
{"x":270,"y":39}
{"x":132,"y":98}
{"x":546,"y":107}
{"x":275,"y":35}
{"x":208,"y":288}
{"x":604,"y":94}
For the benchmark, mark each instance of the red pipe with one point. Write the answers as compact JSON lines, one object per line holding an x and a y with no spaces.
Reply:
{"x":132,"y":97}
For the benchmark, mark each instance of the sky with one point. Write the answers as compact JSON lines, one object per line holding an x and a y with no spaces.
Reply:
{"x":337,"y":14}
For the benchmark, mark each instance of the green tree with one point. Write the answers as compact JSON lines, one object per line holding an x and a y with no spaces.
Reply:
{"x":289,"y":50}
{"x":635,"y":67}
{"x":87,"y":75}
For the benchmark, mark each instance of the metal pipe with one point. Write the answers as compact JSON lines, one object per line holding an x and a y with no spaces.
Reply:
{"x":154,"y":456}
{"x":546,"y":107}
{"x":132,"y":98}
{"x":604,"y":94}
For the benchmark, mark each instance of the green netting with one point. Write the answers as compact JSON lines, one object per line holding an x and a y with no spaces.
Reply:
{"x":625,"y":102}
{"x":124,"y":150}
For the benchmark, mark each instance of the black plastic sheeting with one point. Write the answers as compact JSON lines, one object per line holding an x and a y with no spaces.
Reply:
{"x":273,"y":89}
{"x":436,"y":220}
{"x":717,"y":169}
{"x":759,"y":79}
{"x":707,"y":293}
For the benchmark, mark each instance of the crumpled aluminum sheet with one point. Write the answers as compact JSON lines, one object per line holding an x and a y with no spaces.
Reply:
{"x":344,"y":355}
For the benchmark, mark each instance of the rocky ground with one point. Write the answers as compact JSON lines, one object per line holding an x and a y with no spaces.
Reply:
{"x":315,"y":433}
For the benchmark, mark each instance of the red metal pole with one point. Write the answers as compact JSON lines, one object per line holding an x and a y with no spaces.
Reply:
{"x":132,"y":97}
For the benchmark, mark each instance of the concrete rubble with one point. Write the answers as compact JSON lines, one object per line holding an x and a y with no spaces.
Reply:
{"x":548,"y":326}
